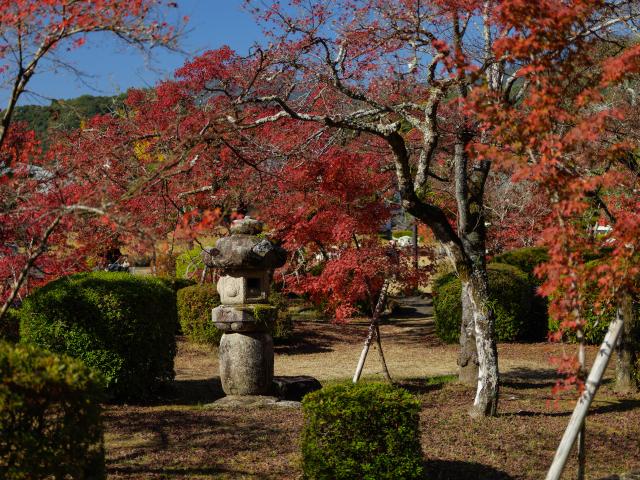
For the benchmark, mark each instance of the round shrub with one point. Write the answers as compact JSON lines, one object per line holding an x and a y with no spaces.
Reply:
{"x":49,"y":416}
{"x":447,"y":307}
{"x":526,"y":259}
{"x":510,"y":294}
{"x":597,"y":320}
{"x":122,"y":325}
{"x":365,"y":431}
{"x":194,"y":312}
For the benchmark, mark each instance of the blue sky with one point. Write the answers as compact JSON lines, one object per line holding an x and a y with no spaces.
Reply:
{"x":113,"y":67}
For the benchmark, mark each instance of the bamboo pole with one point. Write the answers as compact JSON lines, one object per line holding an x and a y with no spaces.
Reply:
{"x":582,"y":454}
{"x":582,"y":406}
{"x":373,"y":331}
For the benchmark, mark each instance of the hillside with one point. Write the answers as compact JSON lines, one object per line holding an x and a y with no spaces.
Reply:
{"x":65,"y":115}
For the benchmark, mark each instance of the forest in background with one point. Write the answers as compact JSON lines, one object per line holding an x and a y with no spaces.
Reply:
{"x":65,"y":114}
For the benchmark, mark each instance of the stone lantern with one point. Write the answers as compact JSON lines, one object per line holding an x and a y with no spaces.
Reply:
{"x":244,"y":316}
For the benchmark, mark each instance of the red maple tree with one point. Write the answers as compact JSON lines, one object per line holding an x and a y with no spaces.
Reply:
{"x":44,"y":201}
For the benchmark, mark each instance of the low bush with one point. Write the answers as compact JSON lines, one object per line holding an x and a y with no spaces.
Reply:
{"x":597,"y":319}
{"x":10,"y":326}
{"x":194,"y":312}
{"x":527,"y":259}
{"x":597,"y":323}
{"x":122,"y":325}
{"x":49,"y":416}
{"x":164,"y":264}
{"x":510,"y":294}
{"x":364,"y":431}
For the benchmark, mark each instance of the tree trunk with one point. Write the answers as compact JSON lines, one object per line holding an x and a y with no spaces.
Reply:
{"x":625,"y":358}
{"x":486,"y":400}
{"x":468,"y":356}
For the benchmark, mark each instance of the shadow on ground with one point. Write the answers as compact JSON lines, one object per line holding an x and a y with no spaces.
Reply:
{"x":178,"y":443}
{"x":458,"y":470}
{"x":529,"y":378}
{"x":190,"y":392}
{"x":421,"y":386}
{"x":319,"y":337}
{"x":623,"y":405}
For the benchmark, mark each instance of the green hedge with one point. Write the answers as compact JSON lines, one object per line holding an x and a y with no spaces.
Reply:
{"x":10,"y":326}
{"x":526,"y":259}
{"x":510,"y":294}
{"x":122,"y":325}
{"x":194,"y":312}
{"x":363,"y":431}
{"x":49,"y":416}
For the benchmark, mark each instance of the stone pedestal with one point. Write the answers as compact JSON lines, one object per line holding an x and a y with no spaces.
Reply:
{"x":246,"y":348}
{"x":246,"y":363}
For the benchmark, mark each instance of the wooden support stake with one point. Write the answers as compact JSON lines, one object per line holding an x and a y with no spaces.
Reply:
{"x":582,"y":407}
{"x":374,"y":332}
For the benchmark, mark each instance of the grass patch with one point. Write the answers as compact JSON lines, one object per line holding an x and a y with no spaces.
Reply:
{"x":440,"y":380}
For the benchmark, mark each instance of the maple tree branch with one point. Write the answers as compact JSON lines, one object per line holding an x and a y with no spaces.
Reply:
{"x":24,"y":272}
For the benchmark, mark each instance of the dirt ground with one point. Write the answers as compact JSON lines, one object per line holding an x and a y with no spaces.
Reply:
{"x":180,"y":436}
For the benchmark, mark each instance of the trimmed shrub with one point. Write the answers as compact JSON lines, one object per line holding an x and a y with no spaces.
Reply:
{"x":526,"y":259}
{"x":194,"y":312}
{"x":122,"y":325}
{"x":365,"y":431}
{"x":510,"y":294}
{"x":49,"y":416}
{"x":10,"y":326}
